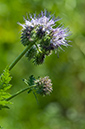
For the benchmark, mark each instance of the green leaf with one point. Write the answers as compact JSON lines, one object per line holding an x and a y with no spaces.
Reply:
{"x":5,"y":78}
{"x":31,"y":80}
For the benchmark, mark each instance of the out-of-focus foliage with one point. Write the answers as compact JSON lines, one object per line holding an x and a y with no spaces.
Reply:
{"x":65,"y":108}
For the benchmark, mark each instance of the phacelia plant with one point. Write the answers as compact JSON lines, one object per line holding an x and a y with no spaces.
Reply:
{"x":41,"y":35}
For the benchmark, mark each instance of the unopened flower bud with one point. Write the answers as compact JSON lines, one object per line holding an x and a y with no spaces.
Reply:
{"x":31,"y":53}
{"x":39,"y":58}
{"x":44,"y":86}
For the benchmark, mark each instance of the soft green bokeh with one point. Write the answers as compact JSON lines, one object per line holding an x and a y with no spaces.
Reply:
{"x":65,"y":107}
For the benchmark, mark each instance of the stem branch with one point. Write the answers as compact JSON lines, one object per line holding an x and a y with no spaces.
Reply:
{"x":20,"y":56}
{"x":19,"y":92}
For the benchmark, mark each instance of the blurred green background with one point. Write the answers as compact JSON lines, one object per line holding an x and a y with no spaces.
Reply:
{"x":65,"y":107}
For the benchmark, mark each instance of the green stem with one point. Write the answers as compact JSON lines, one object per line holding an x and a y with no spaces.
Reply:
{"x":19,"y":92}
{"x":20,"y":56}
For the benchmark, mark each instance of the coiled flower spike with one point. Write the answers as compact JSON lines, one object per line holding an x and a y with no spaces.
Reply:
{"x":44,"y":86}
{"x":40,"y":30}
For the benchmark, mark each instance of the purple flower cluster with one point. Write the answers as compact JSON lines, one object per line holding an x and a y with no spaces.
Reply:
{"x":59,"y":37}
{"x":44,"y":20}
{"x":41,"y":30}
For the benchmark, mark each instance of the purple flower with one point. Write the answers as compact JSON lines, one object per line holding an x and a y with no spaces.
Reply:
{"x":42,"y":31}
{"x":44,"y":19}
{"x":59,"y":36}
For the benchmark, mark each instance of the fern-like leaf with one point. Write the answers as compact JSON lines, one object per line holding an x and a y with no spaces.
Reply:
{"x":5,"y":78}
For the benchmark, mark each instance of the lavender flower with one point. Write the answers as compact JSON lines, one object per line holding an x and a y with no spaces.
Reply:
{"x":40,"y":30}
{"x":59,"y":37}
{"x":44,"y":20}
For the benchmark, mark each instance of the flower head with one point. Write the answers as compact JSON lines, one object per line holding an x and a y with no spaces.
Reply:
{"x":43,"y":86}
{"x":40,"y":30}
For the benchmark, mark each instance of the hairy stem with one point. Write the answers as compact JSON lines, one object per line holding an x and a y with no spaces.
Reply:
{"x":19,"y":92}
{"x":20,"y":56}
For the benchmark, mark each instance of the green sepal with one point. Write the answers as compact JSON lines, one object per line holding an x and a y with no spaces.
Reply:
{"x":31,"y":80}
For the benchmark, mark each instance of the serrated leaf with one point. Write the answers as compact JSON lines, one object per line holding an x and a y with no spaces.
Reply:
{"x":5,"y":79}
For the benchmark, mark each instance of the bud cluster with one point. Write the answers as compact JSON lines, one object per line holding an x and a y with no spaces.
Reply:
{"x":41,"y":31}
{"x":43,"y":86}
